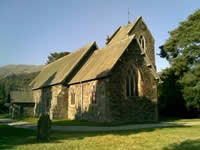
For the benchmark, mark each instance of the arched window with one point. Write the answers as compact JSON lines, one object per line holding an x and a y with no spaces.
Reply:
{"x":132,"y":83}
{"x":142,"y":42}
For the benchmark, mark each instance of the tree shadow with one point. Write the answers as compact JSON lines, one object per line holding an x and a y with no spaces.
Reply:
{"x":185,"y":145}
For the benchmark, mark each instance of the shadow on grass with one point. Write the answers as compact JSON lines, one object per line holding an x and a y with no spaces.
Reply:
{"x":11,"y":137}
{"x":176,"y":119}
{"x":185,"y":145}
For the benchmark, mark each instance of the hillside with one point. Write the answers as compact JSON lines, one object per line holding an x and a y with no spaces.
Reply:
{"x":18,"y":69}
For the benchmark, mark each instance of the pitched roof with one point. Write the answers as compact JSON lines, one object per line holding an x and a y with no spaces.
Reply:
{"x":56,"y":72}
{"x":102,"y":61}
{"x":21,"y":97}
{"x":122,"y":32}
{"x":98,"y":64}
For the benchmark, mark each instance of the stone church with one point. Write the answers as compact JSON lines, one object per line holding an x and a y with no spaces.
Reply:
{"x":114,"y":83}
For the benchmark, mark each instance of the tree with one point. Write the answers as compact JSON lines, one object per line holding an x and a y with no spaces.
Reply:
{"x":191,"y":87}
{"x":171,"y":101}
{"x":54,"y":56}
{"x":182,"y":50}
{"x":13,"y":82}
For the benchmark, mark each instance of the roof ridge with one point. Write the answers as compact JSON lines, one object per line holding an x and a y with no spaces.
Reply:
{"x":135,"y":22}
{"x":116,"y":42}
{"x":71,"y":53}
{"x":81,"y":57}
{"x":123,"y":31}
{"x":58,"y":71}
{"x":113,"y":35}
{"x":102,"y":61}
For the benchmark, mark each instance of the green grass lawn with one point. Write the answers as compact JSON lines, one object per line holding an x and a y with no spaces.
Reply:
{"x":176,"y":138}
{"x":2,"y":116}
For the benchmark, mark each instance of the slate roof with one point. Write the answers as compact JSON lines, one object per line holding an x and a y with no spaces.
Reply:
{"x":21,"y":97}
{"x":56,"y":72}
{"x":98,"y":65}
{"x":123,"y":32}
{"x":102,"y":61}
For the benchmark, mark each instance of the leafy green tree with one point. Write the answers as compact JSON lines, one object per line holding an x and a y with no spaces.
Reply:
{"x":191,"y":87}
{"x":2,"y":94}
{"x":182,"y":50}
{"x":171,"y":102}
{"x":54,"y":56}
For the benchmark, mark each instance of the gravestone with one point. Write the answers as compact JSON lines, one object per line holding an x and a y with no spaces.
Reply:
{"x":43,"y":127}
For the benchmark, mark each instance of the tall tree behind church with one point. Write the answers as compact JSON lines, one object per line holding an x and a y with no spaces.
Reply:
{"x":54,"y":56}
{"x":182,"y":50}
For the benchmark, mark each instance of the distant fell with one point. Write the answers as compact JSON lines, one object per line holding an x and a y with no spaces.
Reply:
{"x":18,"y":69}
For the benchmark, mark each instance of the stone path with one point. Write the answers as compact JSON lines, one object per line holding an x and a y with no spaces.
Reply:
{"x":27,"y":125}
{"x":115,"y":128}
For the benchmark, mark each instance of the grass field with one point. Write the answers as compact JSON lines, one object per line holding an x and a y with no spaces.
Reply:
{"x":4,"y":116}
{"x":176,"y":138}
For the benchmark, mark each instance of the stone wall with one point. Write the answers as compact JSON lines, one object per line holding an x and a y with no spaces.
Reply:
{"x":90,"y":101}
{"x":105,"y":100}
{"x":28,"y":111}
{"x":112,"y":104}
{"x":136,"y":108}
{"x":52,"y":100}
{"x":21,"y":110}
{"x":57,"y":101}
{"x":141,"y":29}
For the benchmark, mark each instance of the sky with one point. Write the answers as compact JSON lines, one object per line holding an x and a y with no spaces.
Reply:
{"x":32,"y":29}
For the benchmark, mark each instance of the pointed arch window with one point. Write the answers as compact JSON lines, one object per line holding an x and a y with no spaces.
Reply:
{"x":142,"y":42}
{"x":132,"y":83}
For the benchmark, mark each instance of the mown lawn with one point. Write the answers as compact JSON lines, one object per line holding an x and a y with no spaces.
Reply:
{"x":2,"y":116}
{"x":176,"y":138}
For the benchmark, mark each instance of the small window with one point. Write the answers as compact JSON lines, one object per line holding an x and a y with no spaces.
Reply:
{"x":93,"y":95}
{"x":132,"y":83}
{"x":72,"y":98}
{"x":142,"y":42}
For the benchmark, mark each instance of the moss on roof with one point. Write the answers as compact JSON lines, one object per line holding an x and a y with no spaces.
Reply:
{"x":56,"y":72}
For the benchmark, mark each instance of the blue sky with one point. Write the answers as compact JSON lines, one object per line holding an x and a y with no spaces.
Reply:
{"x":31,"y":29}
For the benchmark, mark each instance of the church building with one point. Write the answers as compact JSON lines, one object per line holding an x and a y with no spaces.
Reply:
{"x":114,"y":83}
